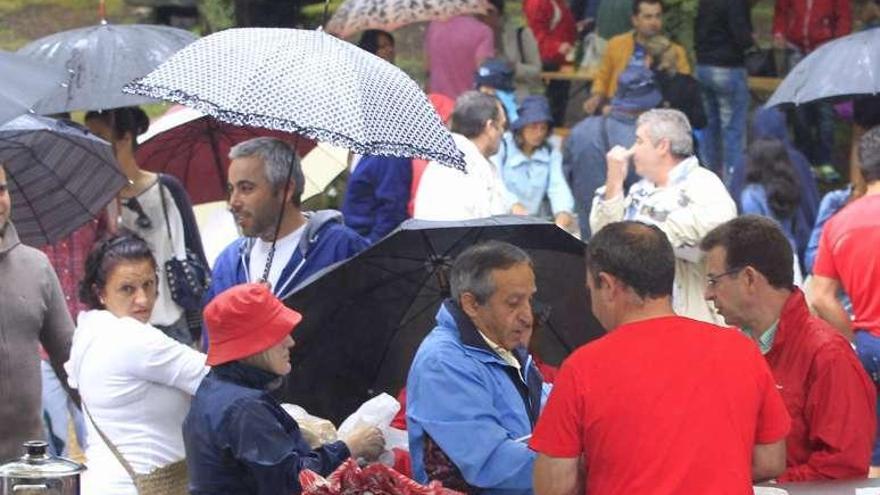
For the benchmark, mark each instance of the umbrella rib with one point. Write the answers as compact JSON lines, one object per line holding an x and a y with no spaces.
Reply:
{"x":30,"y":206}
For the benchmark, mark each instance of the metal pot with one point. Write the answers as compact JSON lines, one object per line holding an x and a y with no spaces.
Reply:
{"x":38,"y":473}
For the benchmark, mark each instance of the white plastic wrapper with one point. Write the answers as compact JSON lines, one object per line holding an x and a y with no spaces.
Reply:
{"x":316,"y":431}
{"x":379,"y":412}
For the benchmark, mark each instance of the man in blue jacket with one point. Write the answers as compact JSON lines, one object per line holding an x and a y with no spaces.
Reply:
{"x":473,"y":392}
{"x":305,"y":242}
{"x":377,"y":195}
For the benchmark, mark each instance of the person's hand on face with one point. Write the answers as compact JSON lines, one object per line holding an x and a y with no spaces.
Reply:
{"x":366,"y":442}
{"x":617,"y":161}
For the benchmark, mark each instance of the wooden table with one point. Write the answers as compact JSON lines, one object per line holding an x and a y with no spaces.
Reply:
{"x":757,"y":84}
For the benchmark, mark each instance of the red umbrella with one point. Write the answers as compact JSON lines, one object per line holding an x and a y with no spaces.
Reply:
{"x":195,"y":147}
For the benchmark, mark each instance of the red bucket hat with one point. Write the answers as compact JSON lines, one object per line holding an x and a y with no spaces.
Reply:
{"x":245,"y":320}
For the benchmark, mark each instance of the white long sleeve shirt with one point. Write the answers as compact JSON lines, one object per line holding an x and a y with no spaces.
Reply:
{"x":448,"y":194}
{"x":137,"y":384}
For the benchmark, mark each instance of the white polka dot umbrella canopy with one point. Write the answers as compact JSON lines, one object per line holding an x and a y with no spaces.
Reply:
{"x":306,"y":82}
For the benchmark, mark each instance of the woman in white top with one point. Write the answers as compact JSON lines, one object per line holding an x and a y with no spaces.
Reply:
{"x":155,"y":207}
{"x":135,"y":382}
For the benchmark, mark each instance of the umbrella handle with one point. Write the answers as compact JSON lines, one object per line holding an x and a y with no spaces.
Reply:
{"x":324,"y":17}
{"x":102,"y":11}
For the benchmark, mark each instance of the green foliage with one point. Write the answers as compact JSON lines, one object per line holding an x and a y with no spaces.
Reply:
{"x":217,"y":15}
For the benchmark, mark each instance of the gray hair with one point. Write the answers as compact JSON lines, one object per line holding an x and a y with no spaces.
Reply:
{"x":472,"y":269}
{"x":670,"y":124}
{"x":472,"y":110}
{"x":278,"y":157}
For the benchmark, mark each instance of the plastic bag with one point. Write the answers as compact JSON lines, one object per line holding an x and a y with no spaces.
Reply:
{"x":379,"y":412}
{"x":316,"y":431}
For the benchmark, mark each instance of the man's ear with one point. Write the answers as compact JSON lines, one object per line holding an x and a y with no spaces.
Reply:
{"x":469,"y":304}
{"x":611,"y":285}
{"x":664,"y":147}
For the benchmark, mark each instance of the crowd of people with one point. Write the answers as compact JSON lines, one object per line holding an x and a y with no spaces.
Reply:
{"x":742,"y":313}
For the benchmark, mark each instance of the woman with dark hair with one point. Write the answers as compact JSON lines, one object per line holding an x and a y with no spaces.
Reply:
{"x":379,"y":43}
{"x":157,"y":208}
{"x":136,"y":383}
{"x":772,"y":187}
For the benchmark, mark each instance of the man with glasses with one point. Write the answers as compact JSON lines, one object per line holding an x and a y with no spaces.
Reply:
{"x":477,"y":125}
{"x":661,"y":404}
{"x":829,"y":396}
{"x":676,"y":194}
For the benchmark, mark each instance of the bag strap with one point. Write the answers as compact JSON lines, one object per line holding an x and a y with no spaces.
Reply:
{"x":165,"y":211}
{"x":519,"y":43}
{"x":111,"y":446}
{"x":606,"y":141}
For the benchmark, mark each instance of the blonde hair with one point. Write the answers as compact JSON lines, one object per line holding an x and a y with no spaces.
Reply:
{"x":259,"y":360}
{"x":662,"y":52}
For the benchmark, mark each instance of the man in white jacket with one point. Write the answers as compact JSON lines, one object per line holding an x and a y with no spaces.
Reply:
{"x":684,"y":200}
{"x":444,"y":193}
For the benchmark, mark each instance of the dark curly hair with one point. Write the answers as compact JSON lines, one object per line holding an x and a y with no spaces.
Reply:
{"x":104,"y":257}
{"x":769,"y":166}
{"x":370,"y":40}
{"x":122,"y":121}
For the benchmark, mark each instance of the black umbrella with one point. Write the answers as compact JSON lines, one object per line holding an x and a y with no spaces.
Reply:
{"x":365,"y":318}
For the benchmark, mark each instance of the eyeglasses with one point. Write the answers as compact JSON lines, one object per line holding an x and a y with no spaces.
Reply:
{"x":712,"y":280}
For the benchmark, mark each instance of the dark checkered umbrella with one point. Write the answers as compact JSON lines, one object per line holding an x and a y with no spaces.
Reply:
{"x":306,"y":82}
{"x":60,"y":176}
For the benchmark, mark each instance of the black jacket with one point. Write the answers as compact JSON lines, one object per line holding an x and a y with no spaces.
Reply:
{"x":722,"y":32}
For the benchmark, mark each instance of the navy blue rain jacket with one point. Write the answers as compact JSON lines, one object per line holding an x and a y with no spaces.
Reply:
{"x":377,"y":195}
{"x":240,"y":441}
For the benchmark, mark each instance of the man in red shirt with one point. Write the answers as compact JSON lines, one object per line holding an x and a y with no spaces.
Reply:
{"x":847,"y":258}
{"x":830,"y":398}
{"x":661,"y":404}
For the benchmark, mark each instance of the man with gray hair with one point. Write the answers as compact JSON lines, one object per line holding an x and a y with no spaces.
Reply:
{"x":477,"y":125}
{"x":473,"y":392}
{"x":281,"y":244}
{"x":675,"y":193}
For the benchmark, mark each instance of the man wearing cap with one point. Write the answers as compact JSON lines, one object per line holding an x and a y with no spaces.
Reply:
{"x":495,"y":77}
{"x":477,"y":124}
{"x":675,"y":193}
{"x":473,"y":391}
{"x":238,"y":438}
{"x":584,"y":151}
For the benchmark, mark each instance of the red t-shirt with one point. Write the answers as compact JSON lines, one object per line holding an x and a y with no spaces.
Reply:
{"x":848,"y":253}
{"x":664,"y":406}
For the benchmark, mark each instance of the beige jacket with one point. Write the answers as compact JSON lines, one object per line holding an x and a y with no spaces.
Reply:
{"x":694,"y":202}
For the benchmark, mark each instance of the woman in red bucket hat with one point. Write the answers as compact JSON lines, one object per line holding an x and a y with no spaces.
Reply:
{"x":238,"y":438}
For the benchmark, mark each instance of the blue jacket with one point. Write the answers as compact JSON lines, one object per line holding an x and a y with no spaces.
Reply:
{"x":532,"y":179}
{"x":583,"y":158}
{"x":474,"y":405}
{"x":770,"y":124}
{"x":831,"y":204}
{"x":325,"y":241}
{"x":754,"y":202}
{"x":377,"y":195}
{"x":239,"y":441}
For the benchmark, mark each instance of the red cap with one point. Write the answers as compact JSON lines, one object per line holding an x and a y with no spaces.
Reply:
{"x":245,"y":320}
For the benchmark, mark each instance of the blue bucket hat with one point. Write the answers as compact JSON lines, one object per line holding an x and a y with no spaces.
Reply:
{"x":495,"y":73}
{"x":636,"y":90}
{"x":533,"y":109}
